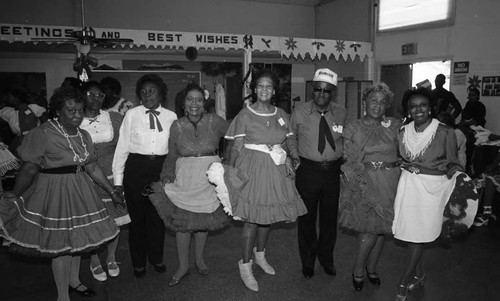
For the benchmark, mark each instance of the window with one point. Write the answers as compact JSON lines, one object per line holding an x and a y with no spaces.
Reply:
{"x":404,"y":14}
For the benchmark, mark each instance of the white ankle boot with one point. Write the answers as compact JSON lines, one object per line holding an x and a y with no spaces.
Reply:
{"x":247,"y":275}
{"x":260,"y":260}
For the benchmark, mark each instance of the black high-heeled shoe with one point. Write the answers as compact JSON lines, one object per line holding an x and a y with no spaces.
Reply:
{"x":373,"y":277}
{"x":402,"y":293}
{"x":416,"y":282}
{"x":357,"y":282}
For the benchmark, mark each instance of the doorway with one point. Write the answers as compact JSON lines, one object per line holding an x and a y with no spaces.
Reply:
{"x":401,"y":77}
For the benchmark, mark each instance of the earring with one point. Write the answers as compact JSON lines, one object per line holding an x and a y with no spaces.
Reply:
{"x":409,"y":116}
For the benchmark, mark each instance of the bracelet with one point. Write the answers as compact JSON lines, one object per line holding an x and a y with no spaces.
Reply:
{"x":113,"y":191}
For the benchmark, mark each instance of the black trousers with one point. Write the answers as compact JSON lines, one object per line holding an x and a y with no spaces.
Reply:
{"x":319,"y":188}
{"x":146,"y":229}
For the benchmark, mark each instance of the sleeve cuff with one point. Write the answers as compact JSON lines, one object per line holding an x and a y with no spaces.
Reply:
{"x":118,"y":179}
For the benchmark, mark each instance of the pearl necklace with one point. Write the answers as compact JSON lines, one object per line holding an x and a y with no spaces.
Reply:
{"x":76,"y":157}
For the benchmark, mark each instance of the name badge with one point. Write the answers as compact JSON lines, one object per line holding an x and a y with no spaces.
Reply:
{"x":337,"y":128}
{"x":281,"y":121}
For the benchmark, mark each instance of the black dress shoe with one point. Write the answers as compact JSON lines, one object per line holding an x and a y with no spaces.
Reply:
{"x":160,"y":268}
{"x":139,"y":273}
{"x":357,"y":282}
{"x":84,"y":293}
{"x":373,"y":278}
{"x":330,"y":270}
{"x":307,"y":272}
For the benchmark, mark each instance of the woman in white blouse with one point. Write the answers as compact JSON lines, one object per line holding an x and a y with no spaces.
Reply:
{"x":103,"y":128}
{"x":140,"y":152}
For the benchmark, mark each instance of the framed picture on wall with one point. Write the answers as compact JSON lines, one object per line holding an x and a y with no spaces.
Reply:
{"x":491,"y":86}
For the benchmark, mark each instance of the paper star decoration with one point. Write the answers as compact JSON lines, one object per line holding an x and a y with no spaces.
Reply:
{"x":291,"y":44}
{"x":474,"y":82}
{"x":340,"y":46}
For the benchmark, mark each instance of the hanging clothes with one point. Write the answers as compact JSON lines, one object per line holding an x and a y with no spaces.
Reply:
{"x":220,"y":101}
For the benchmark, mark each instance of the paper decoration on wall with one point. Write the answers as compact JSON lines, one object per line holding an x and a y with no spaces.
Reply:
{"x":286,"y":46}
{"x":474,"y":82}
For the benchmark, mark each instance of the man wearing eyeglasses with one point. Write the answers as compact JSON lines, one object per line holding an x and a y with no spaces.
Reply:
{"x":316,"y":150}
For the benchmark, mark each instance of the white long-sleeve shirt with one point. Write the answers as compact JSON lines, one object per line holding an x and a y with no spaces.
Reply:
{"x":136,"y":137}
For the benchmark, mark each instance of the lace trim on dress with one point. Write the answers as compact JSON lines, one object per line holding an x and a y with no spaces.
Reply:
{"x":416,"y":143}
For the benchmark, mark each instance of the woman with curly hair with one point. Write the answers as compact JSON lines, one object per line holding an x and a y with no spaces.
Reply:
{"x":371,"y":178}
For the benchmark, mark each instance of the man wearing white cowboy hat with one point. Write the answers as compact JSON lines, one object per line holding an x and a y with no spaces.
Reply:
{"x":316,"y":150}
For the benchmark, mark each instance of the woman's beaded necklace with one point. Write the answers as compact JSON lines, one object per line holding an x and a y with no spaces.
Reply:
{"x":76,"y":157}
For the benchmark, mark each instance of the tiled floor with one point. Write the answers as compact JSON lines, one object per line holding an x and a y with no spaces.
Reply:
{"x":468,"y":269}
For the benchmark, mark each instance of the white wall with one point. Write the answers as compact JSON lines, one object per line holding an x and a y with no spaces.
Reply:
{"x":473,"y":37}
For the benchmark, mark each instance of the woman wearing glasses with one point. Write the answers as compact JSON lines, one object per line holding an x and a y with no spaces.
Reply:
{"x":103,"y":127}
{"x":138,"y":160}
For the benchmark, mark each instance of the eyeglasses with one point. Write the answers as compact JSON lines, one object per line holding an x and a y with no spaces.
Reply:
{"x":96,"y":95}
{"x":324,"y":91}
{"x":145,"y":92}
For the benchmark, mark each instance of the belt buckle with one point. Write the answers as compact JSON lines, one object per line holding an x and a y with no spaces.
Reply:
{"x":79,"y":168}
{"x":325,"y":164}
{"x":414,"y":170}
{"x":377,"y":164}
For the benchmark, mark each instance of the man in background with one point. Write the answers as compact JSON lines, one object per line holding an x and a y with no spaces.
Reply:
{"x":444,"y":100}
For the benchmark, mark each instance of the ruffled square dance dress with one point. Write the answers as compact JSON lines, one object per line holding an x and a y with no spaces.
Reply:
{"x":269,"y":195}
{"x":366,"y":204}
{"x":58,"y":214}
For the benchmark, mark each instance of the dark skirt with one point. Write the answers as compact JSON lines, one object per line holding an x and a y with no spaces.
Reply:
{"x":180,"y":220}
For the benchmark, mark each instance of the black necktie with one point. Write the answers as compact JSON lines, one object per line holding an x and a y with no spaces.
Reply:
{"x":324,"y":131}
{"x":152,"y":115}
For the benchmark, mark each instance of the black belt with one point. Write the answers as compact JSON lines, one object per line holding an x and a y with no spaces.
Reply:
{"x":422,"y":170}
{"x":321,"y":165}
{"x":149,"y":157}
{"x":380,"y":165}
{"x":209,"y":154}
{"x":64,"y":169}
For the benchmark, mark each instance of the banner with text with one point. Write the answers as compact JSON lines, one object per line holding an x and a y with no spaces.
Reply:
{"x":286,"y":46}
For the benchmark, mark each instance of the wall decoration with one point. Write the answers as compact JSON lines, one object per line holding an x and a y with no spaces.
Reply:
{"x":491,"y":86}
{"x":286,"y":46}
{"x":474,"y":82}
